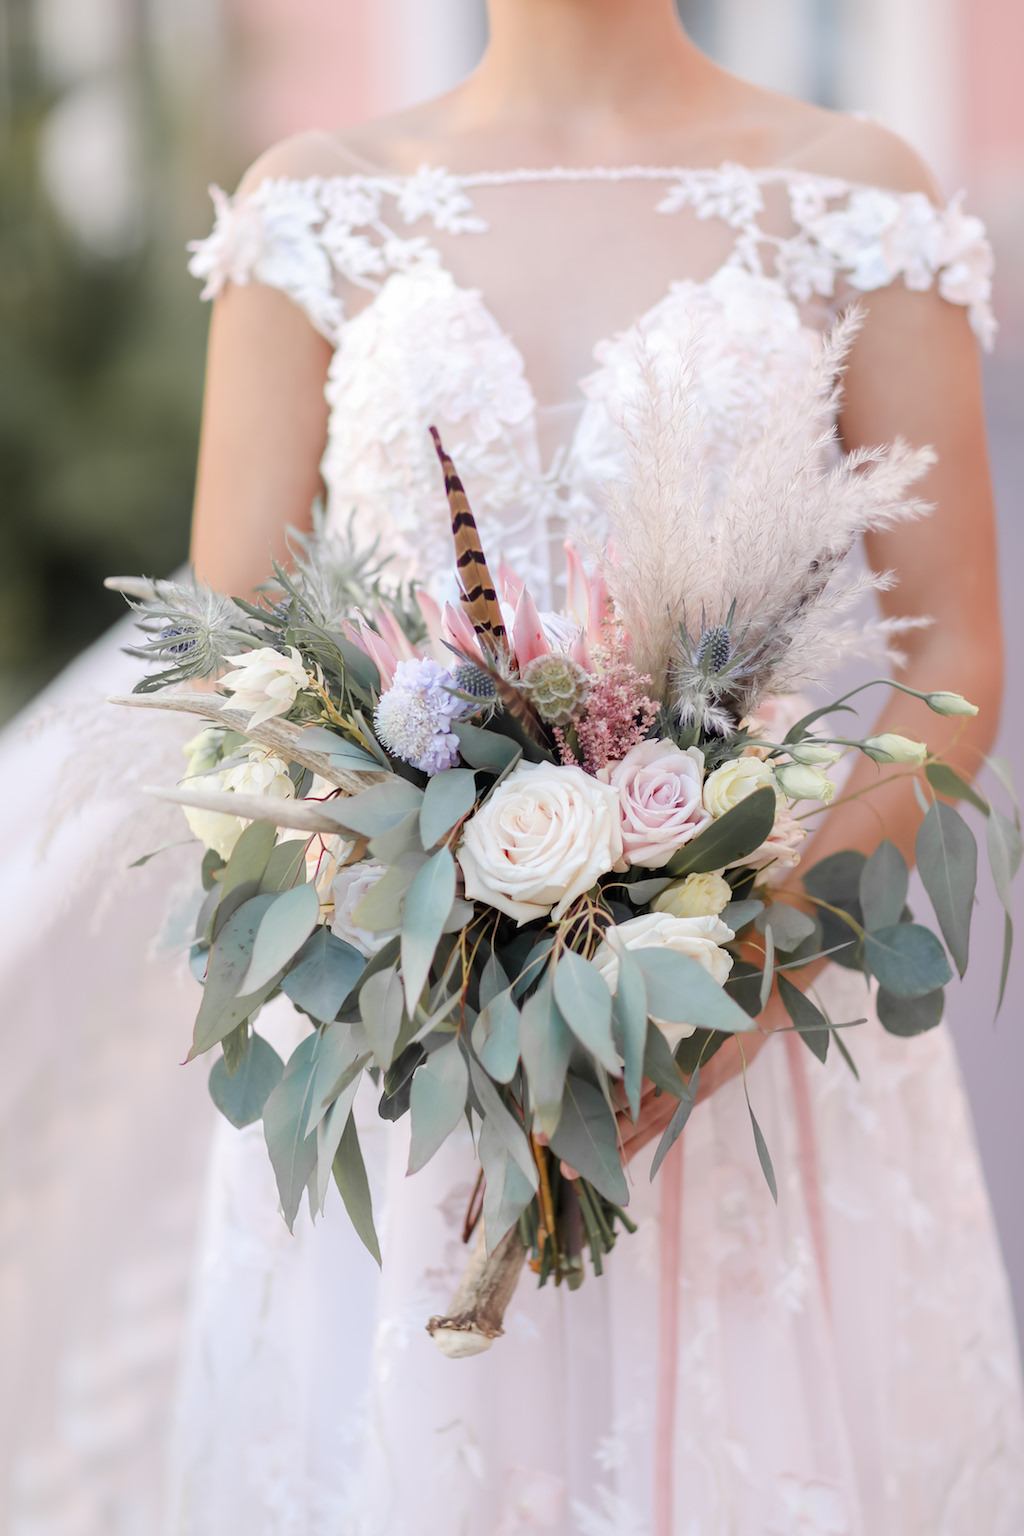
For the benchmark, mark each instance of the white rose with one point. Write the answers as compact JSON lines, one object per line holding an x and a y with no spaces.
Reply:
{"x":699,"y":937}
{"x":734,"y":781}
{"x":260,"y":774}
{"x":267,"y":682}
{"x":350,"y":886}
{"x":696,"y":896}
{"x":541,"y":840}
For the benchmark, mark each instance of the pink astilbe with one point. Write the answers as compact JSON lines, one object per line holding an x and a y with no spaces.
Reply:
{"x":619,"y":711}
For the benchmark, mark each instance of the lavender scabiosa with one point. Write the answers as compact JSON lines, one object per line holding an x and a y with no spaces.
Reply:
{"x":414,"y":717}
{"x":619,"y":711}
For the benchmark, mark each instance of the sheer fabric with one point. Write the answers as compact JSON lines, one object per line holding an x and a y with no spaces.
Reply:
{"x":869,"y":1391}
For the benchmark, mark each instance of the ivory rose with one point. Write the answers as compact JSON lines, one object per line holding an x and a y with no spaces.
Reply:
{"x":259,"y":773}
{"x":696,"y":896}
{"x":541,"y":840}
{"x":733,"y":782}
{"x":699,"y":937}
{"x":660,"y":791}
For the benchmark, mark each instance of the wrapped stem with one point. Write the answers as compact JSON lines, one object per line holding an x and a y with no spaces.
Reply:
{"x":474,"y":1318}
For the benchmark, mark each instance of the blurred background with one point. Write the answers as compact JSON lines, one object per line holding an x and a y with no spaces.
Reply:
{"x":114,"y":116}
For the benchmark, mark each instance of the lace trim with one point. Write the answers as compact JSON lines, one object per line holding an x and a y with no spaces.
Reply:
{"x":299,"y":236}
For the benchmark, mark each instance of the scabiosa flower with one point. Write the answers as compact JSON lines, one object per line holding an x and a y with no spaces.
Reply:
{"x":414,"y":717}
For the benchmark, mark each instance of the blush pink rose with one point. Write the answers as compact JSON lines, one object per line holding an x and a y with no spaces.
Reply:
{"x":661,"y":799}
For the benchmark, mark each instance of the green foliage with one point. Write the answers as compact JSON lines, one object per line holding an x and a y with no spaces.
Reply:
{"x":884,"y":883}
{"x":586,"y":1138}
{"x":947,"y":857}
{"x":586,"y":1006}
{"x":241,"y":1096}
{"x":285,"y":1117}
{"x":325,"y":971}
{"x":835,"y":882}
{"x":427,"y":906}
{"x":350,"y":1176}
{"x":437,"y":1101}
{"x":680,"y":991}
{"x":733,"y":836}
{"x":808,"y":1021}
{"x":496,"y":1037}
{"x":546,"y":1044}
{"x":907,"y":959}
{"x":907,"y":1016}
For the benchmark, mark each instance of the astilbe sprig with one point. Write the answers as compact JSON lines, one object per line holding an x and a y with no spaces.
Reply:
{"x":619,"y":712}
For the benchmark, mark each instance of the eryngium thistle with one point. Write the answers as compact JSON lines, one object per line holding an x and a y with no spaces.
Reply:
{"x":475,"y":683}
{"x":193,"y":628}
{"x":557,"y":687}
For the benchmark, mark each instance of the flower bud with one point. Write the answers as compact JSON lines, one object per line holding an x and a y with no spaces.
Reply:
{"x":889,"y":748}
{"x":802,"y":783}
{"x":950,"y":704}
{"x":696,"y":896}
{"x":813,"y":753}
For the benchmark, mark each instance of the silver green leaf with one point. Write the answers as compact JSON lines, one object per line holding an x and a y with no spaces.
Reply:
{"x":808,"y":1021}
{"x":496,"y":1037}
{"x":946,"y":781}
{"x":381,"y":1008}
{"x":680,"y":991}
{"x":448,"y":797}
{"x":284,"y":928}
{"x":378,"y":808}
{"x":286,"y":866}
{"x":488,"y":750}
{"x":947,"y":857}
{"x":507,"y":1190}
{"x":763,"y":1155}
{"x":504,"y":1123}
{"x":906,"y":1016}
{"x":546,"y":1045}
{"x":587,"y":1139}
{"x":325,"y":971}
{"x":437,"y":1100}
{"x":585,"y":1003}
{"x":790,"y":927}
{"x":285,"y":1116}
{"x":629,"y":1027}
{"x":222,"y":1010}
{"x":241,"y":1097}
{"x":350,"y":1176}
{"x":884,"y":883}
{"x":677,"y":1124}
{"x":427,"y":905}
{"x":734,"y":836}
{"x":907,"y":959}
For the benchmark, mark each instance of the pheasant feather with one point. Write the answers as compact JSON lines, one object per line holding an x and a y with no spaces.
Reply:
{"x":479,"y":594}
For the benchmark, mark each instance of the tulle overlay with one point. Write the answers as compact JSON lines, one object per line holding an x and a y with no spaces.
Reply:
{"x":852,"y":1373}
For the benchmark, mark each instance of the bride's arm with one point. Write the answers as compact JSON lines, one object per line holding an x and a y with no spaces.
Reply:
{"x":914,"y":373}
{"x":264,"y":431}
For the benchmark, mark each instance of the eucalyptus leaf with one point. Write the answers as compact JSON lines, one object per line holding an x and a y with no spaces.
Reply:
{"x":884,"y":883}
{"x":449,"y":796}
{"x":744,"y":984}
{"x":660,"y":1066}
{"x":286,"y":866}
{"x":680,"y":991}
{"x":504,"y":1123}
{"x":585,"y":1004}
{"x":381,"y":1008}
{"x":342,"y":752}
{"x":427,"y":906}
{"x":767,"y":970}
{"x":946,"y":781}
{"x":629,"y":1027}
{"x":907,"y":1016}
{"x":437,"y":1101}
{"x":836,"y":880}
{"x":586,"y":1138}
{"x":284,"y":928}
{"x":493,"y":980}
{"x":400,"y":840}
{"x":1004,"y":847}
{"x":507,"y":1190}
{"x":677,"y":1124}
{"x":488,"y":750}
{"x":496,"y":1037}
{"x":640,"y":892}
{"x":739,"y":913}
{"x":249,"y":859}
{"x":733,"y":837}
{"x":790,"y":927}
{"x":947,"y":858}
{"x":285,"y":1115}
{"x":808,"y":1021}
{"x":234,"y":1047}
{"x":907,"y":959}
{"x":241,"y":1097}
{"x":329,"y":1131}
{"x":534,"y":965}
{"x":222,"y":1010}
{"x":380,"y":910}
{"x":350,"y":1176}
{"x":376,"y":809}
{"x":324,"y":973}
{"x":342,"y":1057}
{"x":764,"y":1156}
{"x":546,"y":1045}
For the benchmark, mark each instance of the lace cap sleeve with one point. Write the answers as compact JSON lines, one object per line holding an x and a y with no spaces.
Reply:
{"x":877,"y":236}
{"x":276,"y":236}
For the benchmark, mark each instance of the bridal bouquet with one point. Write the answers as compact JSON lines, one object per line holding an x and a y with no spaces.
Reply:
{"x":514,"y":865}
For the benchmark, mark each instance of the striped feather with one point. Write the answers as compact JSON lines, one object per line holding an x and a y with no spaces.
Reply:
{"x":479,"y":594}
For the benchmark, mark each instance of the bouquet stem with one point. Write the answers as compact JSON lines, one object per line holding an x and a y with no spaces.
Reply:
{"x":477,"y":1309}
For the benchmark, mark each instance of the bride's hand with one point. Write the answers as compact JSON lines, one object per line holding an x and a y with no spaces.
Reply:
{"x":656,"y":1110}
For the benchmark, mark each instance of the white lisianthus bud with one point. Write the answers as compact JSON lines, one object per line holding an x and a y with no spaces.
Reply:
{"x":950,"y":704}
{"x":799,"y":782}
{"x":267,"y":683}
{"x":890,"y":748}
{"x":814,"y":754}
{"x":696,"y":896}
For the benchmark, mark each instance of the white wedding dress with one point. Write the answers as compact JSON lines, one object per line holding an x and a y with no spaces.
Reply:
{"x":841,"y":1365}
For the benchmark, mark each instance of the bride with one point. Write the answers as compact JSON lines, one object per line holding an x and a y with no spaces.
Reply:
{"x":495,"y":262}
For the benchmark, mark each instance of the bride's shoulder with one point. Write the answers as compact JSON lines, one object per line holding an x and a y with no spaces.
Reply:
{"x":315,"y":154}
{"x":856,"y":149}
